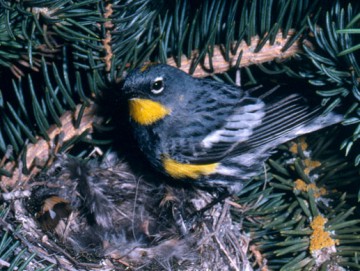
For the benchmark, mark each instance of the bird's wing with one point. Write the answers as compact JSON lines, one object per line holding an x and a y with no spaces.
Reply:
{"x":253,"y":123}
{"x":283,"y":121}
{"x":218,"y":122}
{"x":237,"y":128}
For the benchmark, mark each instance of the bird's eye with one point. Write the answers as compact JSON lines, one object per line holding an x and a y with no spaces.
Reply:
{"x":157,"y":86}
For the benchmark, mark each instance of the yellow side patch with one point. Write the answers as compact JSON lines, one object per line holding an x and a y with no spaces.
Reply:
{"x":146,"y":112}
{"x":178,"y":170}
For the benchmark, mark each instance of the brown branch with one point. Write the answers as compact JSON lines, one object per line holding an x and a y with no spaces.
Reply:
{"x":107,"y":40}
{"x":39,"y":154}
{"x":220,"y":65}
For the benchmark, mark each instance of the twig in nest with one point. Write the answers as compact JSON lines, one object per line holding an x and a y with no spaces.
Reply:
{"x":224,"y":213}
{"x":4,"y":263}
{"x":17,"y":194}
{"x":222,"y":246}
{"x":225,"y":252}
{"x":261,"y":261}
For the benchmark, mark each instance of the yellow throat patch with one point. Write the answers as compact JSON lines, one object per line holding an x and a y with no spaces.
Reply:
{"x":178,"y":170}
{"x":146,"y":112}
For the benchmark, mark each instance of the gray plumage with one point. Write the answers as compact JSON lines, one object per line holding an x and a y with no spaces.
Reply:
{"x":212,"y":122}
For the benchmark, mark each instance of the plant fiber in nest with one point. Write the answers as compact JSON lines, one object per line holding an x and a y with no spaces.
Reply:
{"x":99,"y":215}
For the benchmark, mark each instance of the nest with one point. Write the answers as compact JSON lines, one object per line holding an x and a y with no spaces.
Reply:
{"x":90,"y":215}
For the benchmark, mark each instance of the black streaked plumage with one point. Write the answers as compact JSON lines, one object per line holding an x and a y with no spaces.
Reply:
{"x":211,"y":122}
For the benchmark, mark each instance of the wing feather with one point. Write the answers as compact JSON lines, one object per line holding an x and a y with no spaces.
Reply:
{"x":250,"y":123}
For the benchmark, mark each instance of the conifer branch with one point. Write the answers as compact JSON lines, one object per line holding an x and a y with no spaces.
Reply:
{"x":245,"y":52}
{"x":39,"y":155}
{"x":42,"y":151}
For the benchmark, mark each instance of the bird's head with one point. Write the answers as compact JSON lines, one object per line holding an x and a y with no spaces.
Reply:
{"x":153,"y":91}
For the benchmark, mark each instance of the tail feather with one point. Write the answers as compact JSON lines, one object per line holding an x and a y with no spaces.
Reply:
{"x":319,"y":122}
{"x":287,"y":116}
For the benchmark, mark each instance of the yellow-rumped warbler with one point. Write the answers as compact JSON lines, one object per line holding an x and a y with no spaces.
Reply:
{"x":211,"y":133}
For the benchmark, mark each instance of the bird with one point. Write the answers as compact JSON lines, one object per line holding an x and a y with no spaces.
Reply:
{"x":209,"y":133}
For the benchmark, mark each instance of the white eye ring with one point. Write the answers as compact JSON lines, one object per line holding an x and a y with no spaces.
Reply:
{"x":158,"y":85}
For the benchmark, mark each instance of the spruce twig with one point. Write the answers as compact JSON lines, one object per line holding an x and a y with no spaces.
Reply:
{"x":39,"y":154}
{"x":269,"y":52}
